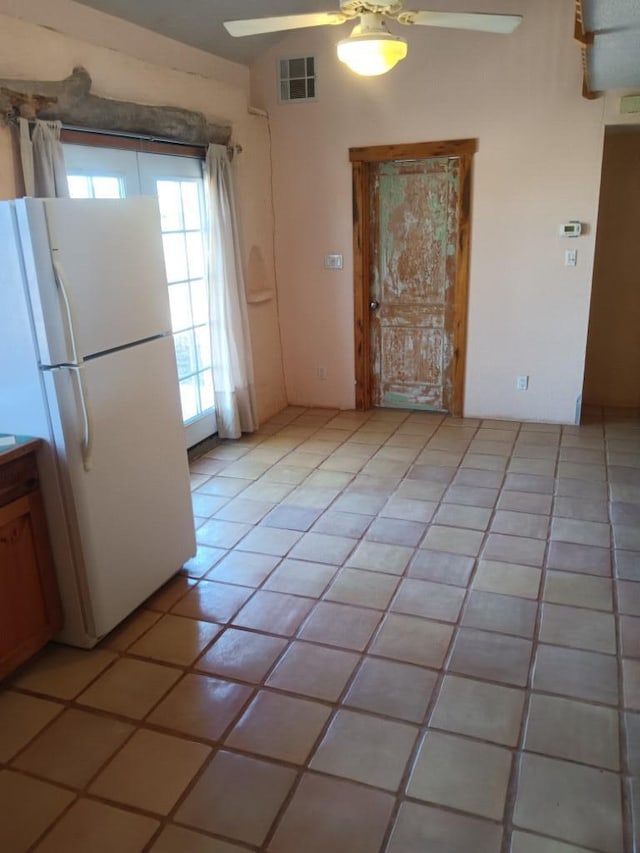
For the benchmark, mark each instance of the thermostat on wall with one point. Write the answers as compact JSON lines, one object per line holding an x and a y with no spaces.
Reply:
{"x":571,"y":229}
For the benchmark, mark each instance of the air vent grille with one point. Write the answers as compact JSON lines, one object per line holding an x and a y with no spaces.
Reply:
{"x":298,"y":79}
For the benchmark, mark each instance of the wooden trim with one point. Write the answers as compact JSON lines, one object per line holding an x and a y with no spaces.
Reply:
{"x":413,"y":151}
{"x":46,"y":570}
{"x":131,"y":143}
{"x":580,"y":35}
{"x":362,"y":160}
{"x":15,"y":451}
{"x":461,"y":296}
{"x":586,"y":91}
{"x":361,"y":284}
{"x":585,"y":40}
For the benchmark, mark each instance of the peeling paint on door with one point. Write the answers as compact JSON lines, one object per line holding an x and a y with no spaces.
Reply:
{"x":414,"y":216}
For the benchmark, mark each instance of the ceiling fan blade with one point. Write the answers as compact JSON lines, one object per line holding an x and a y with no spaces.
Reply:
{"x":259,"y":26}
{"x":478,"y":21}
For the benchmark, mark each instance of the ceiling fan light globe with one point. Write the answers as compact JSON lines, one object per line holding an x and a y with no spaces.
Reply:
{"x":370,"y":55}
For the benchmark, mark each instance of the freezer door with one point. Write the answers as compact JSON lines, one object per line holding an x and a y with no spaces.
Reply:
{"x":131,"y":511}
{"x":96,"y":274}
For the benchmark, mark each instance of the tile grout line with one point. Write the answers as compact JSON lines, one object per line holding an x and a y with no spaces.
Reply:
{"x":514,"y":779}
{"x":625,"y":775}
{"x":402,"y":792}
{"x":456,"y":626}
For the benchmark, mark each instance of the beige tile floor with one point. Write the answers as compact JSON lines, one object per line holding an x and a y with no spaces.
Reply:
{"x":402,"y":633}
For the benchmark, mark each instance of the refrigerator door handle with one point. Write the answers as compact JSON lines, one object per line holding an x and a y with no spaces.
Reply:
{"x":87,"y":439}
{"x":60,"y":279}
{"x":76,"y":366}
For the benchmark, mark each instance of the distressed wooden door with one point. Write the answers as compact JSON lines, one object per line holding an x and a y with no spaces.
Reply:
{"x":413,"y":258}
{"x":386,"y":269}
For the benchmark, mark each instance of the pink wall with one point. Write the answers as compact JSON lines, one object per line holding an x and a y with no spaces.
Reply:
{"x":139,"y":71}
{"x":93,"y":27}
{"x":538,"y":164}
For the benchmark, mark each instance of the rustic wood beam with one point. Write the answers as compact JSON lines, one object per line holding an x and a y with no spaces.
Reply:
{"x":71,"y":102}
{"x":585,"y":40}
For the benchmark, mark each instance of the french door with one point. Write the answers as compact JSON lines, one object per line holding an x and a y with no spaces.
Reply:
{"x":178,"y":184}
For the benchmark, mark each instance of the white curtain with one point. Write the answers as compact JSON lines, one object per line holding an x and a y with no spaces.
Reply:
{"x":42,"y":159}
{"x":233,"y":382}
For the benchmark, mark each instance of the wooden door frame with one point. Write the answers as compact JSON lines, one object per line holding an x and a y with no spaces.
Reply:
{"x":363,"y":161}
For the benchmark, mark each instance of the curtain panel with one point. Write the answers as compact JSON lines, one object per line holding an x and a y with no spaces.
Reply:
{"x":233,"y":379}
{"x":42,"y":160}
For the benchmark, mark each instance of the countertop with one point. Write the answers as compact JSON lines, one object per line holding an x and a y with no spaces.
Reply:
{"x":24,"y":444}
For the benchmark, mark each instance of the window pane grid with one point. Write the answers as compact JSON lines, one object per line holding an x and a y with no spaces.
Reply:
{"x":95,"y":186}
{"x":182,"y":238}
{"x":195,"y":373}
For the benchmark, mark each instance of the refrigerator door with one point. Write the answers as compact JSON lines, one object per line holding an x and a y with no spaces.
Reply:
{"x":96,"y":274}
{"x":24,"y":410}
{"x":131,"y":512}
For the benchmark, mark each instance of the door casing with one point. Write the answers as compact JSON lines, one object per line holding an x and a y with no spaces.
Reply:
{"x":363,"y":161}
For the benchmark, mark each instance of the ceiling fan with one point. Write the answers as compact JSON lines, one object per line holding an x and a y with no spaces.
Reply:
{"x":371,"y":49}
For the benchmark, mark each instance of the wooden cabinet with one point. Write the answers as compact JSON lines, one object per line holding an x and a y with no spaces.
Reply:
{"x":30,"y":612}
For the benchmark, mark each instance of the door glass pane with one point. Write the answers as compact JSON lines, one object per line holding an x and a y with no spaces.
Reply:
{"x":203,"y":344}
{"x":106,"y":187}
{"x":95,"y":186}
{"x":185,"y":353}
{"x":175,"y":257}
{"x":170,"y":207}
{"x":194,"y":254}
{"x":191,"y":205}
{"x":180,"y":306}
{"x":206,"y":389}
{"x":181,"y":218}
{"x":79,"y":186}
{"x":189,"y":397}
{"x":199,"y":302}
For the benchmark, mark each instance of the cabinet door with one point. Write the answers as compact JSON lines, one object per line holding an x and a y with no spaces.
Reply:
{"x":29,"y":607}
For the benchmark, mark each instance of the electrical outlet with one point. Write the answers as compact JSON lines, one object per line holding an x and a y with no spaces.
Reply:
{"x":522,"y":383}
{"x":321,"y":372}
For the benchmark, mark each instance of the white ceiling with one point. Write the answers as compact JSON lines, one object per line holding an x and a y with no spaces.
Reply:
{"x":199,"y":22}
{"x":614,"y":60}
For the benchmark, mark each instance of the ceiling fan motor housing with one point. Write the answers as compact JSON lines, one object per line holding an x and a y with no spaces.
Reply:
{"x":371,"y":24}
{"x":353,"y":8}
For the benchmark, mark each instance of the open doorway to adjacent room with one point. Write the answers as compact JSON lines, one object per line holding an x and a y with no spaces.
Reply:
{"x":612,"y":367}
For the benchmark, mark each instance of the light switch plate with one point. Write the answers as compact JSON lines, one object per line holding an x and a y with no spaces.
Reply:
{"x":630,"y":104}
{"x":333,"y":262}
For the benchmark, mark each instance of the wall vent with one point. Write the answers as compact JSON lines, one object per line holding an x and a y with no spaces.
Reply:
{"x":298,"y":79}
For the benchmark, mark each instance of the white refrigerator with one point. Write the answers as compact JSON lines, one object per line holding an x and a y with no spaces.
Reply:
{"x":87,"y":363}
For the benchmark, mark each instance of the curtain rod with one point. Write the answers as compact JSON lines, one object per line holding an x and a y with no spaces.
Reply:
{"x":145,"y":137}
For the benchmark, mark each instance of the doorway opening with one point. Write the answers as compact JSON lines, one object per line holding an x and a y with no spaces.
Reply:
{"x":612,"y":364}
{"x":411,"y":229}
